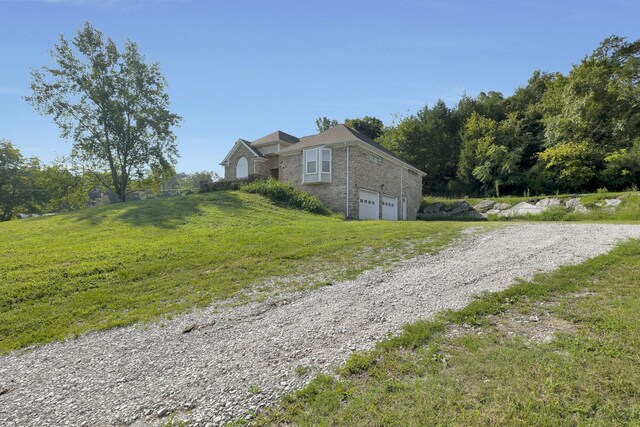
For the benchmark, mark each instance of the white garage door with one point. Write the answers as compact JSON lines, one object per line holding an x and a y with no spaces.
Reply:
{"x":369,"y":208}
{"x":390,"y":208}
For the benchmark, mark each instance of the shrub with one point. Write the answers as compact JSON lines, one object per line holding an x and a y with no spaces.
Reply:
{"x":232,"y":184}
{"x":283,"y":194}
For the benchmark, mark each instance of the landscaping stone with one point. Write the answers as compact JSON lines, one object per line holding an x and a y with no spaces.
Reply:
{"x":548,"y":202}
{"x":612,"y":203}
{"x":572,"y":203}
{"x":433,"y":208}
{"x":484,"y":205}
{"x":501,"y":206}
{"x":521,"y":209}
{"x":576,"y":205}
{"x":459,"y":209}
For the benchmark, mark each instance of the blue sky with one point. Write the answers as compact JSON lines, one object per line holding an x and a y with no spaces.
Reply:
{"x":242,"y":69}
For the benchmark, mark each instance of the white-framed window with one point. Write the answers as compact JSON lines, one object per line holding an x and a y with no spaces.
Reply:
{"x":375,"y":159}
{"x":326,"y":160}
{"x":311,"y":157}
{"x":317,"y":165}
{"x":242,"y":168}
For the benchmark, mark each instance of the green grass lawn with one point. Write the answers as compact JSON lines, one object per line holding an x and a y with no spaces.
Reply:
{"x":110,"y":266}
{"x":563,"y":349}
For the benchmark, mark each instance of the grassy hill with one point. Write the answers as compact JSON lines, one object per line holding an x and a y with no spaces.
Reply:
{"x":115,"y":265}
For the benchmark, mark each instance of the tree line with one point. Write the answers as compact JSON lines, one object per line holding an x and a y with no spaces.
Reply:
{"x":29,"y":186}
{"x":558,"y":133}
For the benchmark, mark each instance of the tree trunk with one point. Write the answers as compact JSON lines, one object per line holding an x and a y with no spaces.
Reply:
{"x":122,"y":195}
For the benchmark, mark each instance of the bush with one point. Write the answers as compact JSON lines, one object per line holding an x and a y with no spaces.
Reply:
{"x":235,"y":184}
{"x":283,"y":194}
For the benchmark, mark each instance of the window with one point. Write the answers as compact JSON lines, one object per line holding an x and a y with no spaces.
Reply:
{"x":242,"y":168}
{"x":312,"y":161}
{"x":326,"y":160}
{"x":375,"y":159}
{"x":316,"y":165}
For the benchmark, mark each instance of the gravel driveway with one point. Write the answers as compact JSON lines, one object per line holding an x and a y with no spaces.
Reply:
{"x":238,"y":359}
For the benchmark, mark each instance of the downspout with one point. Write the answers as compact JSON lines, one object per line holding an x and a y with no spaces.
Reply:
{"x":401,"y":194}
{"x":347,"y":210}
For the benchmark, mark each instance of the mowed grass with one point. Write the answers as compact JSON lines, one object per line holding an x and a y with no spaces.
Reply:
{"x":99,"y":268}
{"x":484,"y":366}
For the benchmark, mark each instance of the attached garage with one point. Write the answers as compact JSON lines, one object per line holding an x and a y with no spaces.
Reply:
{"x":369,"y":205}
{"x":390,"y":208}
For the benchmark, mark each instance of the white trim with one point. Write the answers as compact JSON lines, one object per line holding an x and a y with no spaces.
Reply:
{"x":321,"y":152}
{"x":239,"y":142}
{"x":316,"y":177}
{"x":245,"y":167}
{"x":308,"y":161}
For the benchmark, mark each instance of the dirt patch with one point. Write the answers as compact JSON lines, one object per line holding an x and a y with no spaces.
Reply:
{"x":538,"y":325}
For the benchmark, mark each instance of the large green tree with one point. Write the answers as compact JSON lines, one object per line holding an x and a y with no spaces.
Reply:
{"x":593,"y":114}
{"x":63,"y":187}
{"x":429,"y":140}
{"x":324,"y":123}
{"x":367,"y":125}
{"x":490,"y":154}
{"x":111,"y":103}
{"x":18,"y":182}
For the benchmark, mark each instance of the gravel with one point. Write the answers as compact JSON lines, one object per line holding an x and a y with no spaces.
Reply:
{"x":216,"y":365}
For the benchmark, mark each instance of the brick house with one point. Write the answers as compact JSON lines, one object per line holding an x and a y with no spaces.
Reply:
{"x":345,"y":169}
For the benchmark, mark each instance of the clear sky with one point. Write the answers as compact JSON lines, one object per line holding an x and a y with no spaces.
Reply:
{"x":243,"y":69}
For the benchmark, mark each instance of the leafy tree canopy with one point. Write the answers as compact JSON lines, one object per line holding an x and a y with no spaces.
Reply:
{"x":324,"y":123}
{"x":367,"y":125}
{"x":111,"y":104}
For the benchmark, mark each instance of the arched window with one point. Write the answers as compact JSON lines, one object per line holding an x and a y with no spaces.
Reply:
{"x":242,"y":168}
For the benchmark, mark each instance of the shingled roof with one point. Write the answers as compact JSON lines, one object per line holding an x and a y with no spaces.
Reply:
{"x":337,"y":134}
{"x":277,"y":136}
{"x":248,"y":145}
{"x":238,"y":143}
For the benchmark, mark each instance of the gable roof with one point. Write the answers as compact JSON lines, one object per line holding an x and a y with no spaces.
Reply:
{"x":277,"y":136}
{"x":247,"y":145}
{"x":340,"y":134}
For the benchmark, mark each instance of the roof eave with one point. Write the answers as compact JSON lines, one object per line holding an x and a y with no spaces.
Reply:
{"x":360,"y":144}
{"x":239,"y":142}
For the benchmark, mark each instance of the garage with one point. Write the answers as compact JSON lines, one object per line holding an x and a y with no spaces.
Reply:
{"x":390,"y":208}
{"x":369,"y":208}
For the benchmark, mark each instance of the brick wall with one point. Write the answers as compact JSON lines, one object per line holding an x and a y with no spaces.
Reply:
{"x":383,"y":176}
{"x":260,"y":164}
{"x":364,"y":173}
{"x":332,"y":194}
